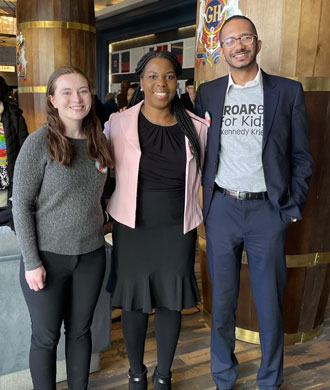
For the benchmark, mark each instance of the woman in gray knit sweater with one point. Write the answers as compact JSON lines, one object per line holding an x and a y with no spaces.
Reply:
{"x":58,"y":183}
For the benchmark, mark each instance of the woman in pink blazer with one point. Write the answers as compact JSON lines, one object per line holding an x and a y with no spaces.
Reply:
{"x":158,"y":149}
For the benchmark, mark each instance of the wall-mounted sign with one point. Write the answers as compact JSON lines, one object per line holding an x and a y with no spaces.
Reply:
{"x":7,"y":68}
{"x":125,"y":62}
{"x":115,"y":63}
{"x":177,"y":49}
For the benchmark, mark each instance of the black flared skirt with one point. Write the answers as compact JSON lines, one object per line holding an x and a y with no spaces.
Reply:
{"x":153,"y":264}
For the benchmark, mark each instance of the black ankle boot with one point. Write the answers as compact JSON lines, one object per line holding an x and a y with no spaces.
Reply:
{"x":138,"y":381}
{"x":161,"y":382}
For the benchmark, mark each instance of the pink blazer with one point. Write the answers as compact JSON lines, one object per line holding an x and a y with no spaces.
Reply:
{"x":121,"y":131}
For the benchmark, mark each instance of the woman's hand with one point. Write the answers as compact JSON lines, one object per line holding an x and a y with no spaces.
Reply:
{"x":36,"y":278}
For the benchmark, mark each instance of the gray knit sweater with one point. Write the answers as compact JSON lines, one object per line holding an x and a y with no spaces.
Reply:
{"x":56,"y":208}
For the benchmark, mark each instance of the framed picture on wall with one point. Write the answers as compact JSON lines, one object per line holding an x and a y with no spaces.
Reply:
{"x":177,"y":49}
{"x":115,"y":63}
{"x":125,"y":62}
{"x":162,"y":47}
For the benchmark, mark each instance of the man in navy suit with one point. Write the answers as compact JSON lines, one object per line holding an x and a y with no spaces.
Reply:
{"x":255,"y":180}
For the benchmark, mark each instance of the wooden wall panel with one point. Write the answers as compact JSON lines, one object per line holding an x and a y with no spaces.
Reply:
{"x":56,"y":33}
{"x":308,"y":37}
{"x":291,"y":18}
{"x":312,"y":233}
{"x":322,"y":67}
{"x":34,"y":10}
{"x":267,"y":17}
{"x":320,"y":315}
{"x":315,"y":278}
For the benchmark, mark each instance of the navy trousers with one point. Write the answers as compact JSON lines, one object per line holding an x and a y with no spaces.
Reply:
{"x":231,"y":224}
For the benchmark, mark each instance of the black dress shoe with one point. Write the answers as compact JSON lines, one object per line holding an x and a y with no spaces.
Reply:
{"x":161,"y":382}
{"x":138,"y":381}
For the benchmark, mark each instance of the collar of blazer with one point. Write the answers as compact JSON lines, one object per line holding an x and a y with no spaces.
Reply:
{"x":128,"y":120}
{"x":271,"y":97}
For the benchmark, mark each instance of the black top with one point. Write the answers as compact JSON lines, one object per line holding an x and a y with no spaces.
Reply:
{"x":163,"y":160}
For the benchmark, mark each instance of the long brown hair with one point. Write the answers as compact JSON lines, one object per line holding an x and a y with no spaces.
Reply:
{"x":59,"y":147}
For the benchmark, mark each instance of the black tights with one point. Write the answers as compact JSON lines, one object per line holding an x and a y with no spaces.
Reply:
{"x":167,"y":327}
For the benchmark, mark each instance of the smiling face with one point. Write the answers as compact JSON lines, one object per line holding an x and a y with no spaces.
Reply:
{"x":240,"y":56}
{"x":159,"y":83}
{"x":72,"y":98}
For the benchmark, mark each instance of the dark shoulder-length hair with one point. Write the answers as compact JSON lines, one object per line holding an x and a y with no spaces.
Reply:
{"x":183,"y":119}
{"x":59,"y":147}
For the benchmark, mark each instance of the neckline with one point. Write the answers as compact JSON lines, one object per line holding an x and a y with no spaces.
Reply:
{"x":156,"y":124}
{"x":75,"y":139}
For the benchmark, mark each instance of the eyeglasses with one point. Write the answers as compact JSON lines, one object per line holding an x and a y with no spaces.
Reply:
{"x":246,"y":40}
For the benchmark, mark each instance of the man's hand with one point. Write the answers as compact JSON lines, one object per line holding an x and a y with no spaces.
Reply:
{"x":36,"y":278}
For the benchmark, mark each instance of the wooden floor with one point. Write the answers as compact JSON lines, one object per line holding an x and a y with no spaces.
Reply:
{"x":306,"y":366}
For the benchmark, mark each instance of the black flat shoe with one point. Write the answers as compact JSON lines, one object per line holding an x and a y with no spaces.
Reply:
{"x":161,"y":382}
{"x":138,"y":381}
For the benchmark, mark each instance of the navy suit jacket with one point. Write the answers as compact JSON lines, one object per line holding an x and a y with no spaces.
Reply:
{"x":286,"y":158}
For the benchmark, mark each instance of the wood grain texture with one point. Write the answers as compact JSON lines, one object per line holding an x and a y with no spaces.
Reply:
{"x":34,"y":10}
{"x":321,"y":67}
{"x":307,"y":290}
{"x":309,"y":25}
{"x":312,"y":234}
{"x":314,"y":285}
{"x":47,"y":49}
{"x":294,"y":292}
{"x":291,"y":18}
{"x":306,"y":366}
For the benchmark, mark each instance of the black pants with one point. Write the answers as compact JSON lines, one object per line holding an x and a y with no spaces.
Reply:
{"x":73,"y":285}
